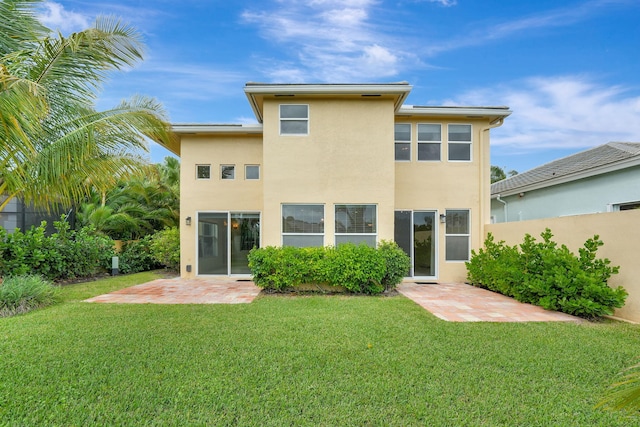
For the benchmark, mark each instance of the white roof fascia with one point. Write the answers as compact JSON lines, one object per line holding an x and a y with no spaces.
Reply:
{"x":401,"y":89}
{"x":600,"y":170}
{"x":203,"y":128}
{"x":411,"y":110}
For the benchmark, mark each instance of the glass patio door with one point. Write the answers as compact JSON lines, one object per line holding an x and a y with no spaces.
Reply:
{"x":224,"y":241}
{"x":415,"y":233}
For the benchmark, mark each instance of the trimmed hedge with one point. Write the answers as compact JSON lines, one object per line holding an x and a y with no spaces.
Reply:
{"x":548,"y":275}
{"x":356,"y":268}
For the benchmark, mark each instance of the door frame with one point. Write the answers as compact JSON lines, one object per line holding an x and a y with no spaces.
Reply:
{"x":436,"y":241}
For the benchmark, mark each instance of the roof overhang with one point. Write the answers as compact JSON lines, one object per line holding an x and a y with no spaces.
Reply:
{"x":257,"y":92}
{"x":493,"y":114}
{"x":183,"y":129}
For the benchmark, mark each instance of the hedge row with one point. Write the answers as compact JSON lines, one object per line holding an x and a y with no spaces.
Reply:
{"x":548,"y":275}
{"x":358,"y":269}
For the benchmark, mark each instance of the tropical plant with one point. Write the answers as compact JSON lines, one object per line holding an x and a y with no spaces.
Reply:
{"x":54,"y":145}
{"x":19,"y":294}
{"x":625,"y":394}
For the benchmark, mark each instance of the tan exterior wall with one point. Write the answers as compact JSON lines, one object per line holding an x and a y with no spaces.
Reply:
{"x":215,"y":194}
{"x":431,"y":185}
{"x":616,"y":229}
{"x":347,"y":157}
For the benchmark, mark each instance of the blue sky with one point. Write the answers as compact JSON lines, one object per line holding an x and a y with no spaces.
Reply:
{"x":569,"y":69}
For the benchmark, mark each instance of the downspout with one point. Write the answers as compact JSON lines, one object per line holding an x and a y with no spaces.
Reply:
{"x":506,"y":211}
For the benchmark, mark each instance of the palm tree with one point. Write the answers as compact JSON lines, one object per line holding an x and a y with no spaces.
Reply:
{"x":54,"y":145}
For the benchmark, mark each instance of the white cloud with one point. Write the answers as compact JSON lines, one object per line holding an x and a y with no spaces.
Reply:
{"x":329,"y":40}
{"x":561,"y":113}
{"x":54,"y":16}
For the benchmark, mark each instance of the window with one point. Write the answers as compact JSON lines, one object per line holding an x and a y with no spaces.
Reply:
{"x":402,"y":137}
{"x":457,"y":235}
{"x":251,"y":172}
{"x":203,"y":171}
{"x":356,"y":224}
{"x":302,"y":225}
{"x":429,"y":140}
{"x":227,"y":172}
{"x":294,"y":119}
{"x":460,"y":142}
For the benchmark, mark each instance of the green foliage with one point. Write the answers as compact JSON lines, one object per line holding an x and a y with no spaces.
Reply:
{"x":624,"y":394}
{"x":20,"y":294}
{"x":548,"y":275}
{"x":356,"y":268}
{"x":165,"y":247}
{"x":63,"y":255}
{"x":136,"y":256}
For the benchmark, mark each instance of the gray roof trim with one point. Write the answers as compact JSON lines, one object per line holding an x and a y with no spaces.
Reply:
{"x":498,"y":112}
{"x":603,"y":159}
{"x":253,"y":90}
{"x":208,"y":129}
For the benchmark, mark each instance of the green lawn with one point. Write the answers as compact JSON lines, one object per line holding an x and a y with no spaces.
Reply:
{"x":319,"y":360}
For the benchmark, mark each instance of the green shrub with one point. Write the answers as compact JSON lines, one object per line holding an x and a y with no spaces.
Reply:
{"x":136,"y":256}
{"x":19,"y":294}
{"x":165,"y":247}
{"x":548,"y":275}
{"x":356,"y":268}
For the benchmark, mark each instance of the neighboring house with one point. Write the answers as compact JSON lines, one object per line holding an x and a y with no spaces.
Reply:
{"x":603,"y":179}
{"x":334,"y":163}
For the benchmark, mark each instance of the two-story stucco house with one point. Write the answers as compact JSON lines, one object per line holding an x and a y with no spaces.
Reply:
{"x":334,"y":163}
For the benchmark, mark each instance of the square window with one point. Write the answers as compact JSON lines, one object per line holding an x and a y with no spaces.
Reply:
{"x":203,"y":171}
{"x":227,"y":172}
{"x":356,"y":224}
{"x":251,"y":172}
{"x":302,"y":225}
{"x":402,"y":136}
{"x":294,"y":119}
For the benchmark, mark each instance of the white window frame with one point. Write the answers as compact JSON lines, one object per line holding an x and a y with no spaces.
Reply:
{"x":375,"y":222}
{"x":283,"y":233}
{"x":246,"y":174}
{"x":469,"y":143}
{"x":397,"y":141}
{"x":283,"y":119}
{"x":467,"y":235}
{"x":222,"y":167}
{"x":419,"y":141}
{"x":198,"y":174}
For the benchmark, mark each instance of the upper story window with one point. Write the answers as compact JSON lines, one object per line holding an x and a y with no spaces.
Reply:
{"x":203,"y":171}
{"x":252,"y":172}
{"x":459,"y":143}
{"x":356,"y":224}
{"x":227,"y":172}
{"x":302,"y":225}
{"x":402,"y":136}
{"x":429,"y":141}
{"x":294,"y":119}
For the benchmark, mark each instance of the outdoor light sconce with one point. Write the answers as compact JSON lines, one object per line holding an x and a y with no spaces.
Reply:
{"x":188,"y":220}
{"x":443,"y":218}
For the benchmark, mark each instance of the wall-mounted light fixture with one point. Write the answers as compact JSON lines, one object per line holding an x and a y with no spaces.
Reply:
{"x":443,"y":218}
{"x":187,"y":220}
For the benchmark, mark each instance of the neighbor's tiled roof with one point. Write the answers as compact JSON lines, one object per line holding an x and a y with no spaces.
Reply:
{"x":597,"y":157}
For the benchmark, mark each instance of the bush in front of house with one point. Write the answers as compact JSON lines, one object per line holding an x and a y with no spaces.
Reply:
{"x":165,"y":247}
{"x":354,"y":268}
{"x":546,"y":274}
{"x":20,"y":294}
{"x":136,"y":256}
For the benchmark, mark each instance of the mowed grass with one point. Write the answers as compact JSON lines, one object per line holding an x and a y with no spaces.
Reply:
{"x":311,"y":360}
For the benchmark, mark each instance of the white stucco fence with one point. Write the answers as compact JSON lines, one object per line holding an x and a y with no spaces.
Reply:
{"x":620,"y":232}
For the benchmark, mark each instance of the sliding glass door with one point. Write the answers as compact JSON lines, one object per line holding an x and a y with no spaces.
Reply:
{"x":415,"y":233}
{"x":224,"y":241}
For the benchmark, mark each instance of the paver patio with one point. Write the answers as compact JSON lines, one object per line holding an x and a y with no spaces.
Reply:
{"x":454,"y":302}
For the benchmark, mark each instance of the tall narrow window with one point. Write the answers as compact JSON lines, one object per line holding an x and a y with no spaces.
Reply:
{"x":457,"y":235}
{"x":429,"y":141}
{"x":402,"y":135}
{"x":459,"y":142}
{"x":227,"y":172}
{"x":203,"y":171}
{"x":356,"y":224}
{"x":294,"y":119}
{"x":302,"y":225}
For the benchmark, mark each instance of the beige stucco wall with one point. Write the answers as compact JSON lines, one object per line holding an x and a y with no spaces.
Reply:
{"x":215,"y":194}
{"x":443,"y":185}
{"x":618,"y":231}
{"x":347,"y":158}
